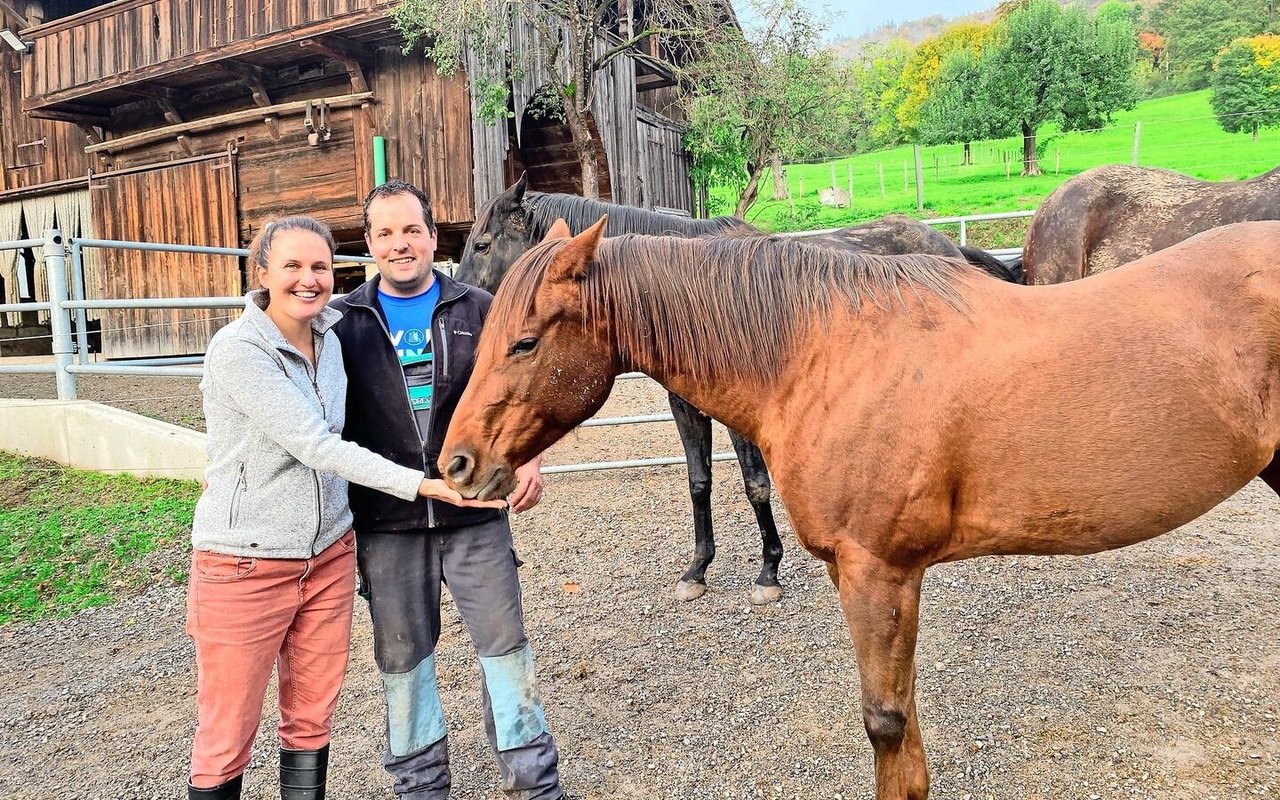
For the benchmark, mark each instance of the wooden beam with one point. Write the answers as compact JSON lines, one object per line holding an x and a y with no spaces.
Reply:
{"x":153,"y":91}
{"x":102,"y":120}
{"x":223,"y":120}
{"x":652,"y":81}
{"x":340,"y":48}
{"x":91,"y":134}
{"x":170,"y":111}
{"x":8,"y":8}
{"x":242,"y":69}
{"x":344,"y":53}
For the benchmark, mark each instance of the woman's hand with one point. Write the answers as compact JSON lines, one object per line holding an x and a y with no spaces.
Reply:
{"x":437,"y":489}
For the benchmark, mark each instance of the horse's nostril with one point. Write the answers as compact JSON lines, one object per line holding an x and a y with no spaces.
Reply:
{"x":459,"y":468}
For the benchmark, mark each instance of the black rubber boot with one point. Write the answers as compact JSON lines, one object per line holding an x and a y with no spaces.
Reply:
{"x":223,"y":791}
{"x":302,"y":773}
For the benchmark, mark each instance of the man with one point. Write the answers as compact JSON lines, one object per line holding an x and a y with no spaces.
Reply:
{"x":408,"y":339}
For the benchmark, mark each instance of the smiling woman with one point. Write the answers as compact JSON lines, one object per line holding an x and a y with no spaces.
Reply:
{"x":273,"y":562}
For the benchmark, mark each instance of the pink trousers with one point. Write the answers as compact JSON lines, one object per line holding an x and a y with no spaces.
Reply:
{"x":246,"y":615}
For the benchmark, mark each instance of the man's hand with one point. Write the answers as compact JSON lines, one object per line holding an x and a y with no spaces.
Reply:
{"x":528,"y":491}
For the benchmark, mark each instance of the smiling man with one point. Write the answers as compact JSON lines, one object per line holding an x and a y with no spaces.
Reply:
{"x":408,"y":336}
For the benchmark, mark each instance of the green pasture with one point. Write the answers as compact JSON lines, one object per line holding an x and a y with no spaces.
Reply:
{"x":72,"y":539}
{"x":1177,"y":132}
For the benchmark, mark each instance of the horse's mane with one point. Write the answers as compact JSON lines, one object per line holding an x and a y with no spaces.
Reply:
{"x":580,"y":213}
{"x":725,"y":305}
{"x":542,"y":209}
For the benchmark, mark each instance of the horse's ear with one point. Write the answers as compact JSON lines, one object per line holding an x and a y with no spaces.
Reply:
{"x":558,"y":230}
{"x":575,"y":257}
{"x":513,"y":196}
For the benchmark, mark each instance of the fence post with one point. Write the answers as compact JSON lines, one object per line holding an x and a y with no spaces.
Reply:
{"x":1137,"y":135}
{"x":78,"y":293}
{"x":919,"y":182}
{"x":55,"y":267}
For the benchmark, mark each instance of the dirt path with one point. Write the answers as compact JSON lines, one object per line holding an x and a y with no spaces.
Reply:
{"x":1149,"y":672}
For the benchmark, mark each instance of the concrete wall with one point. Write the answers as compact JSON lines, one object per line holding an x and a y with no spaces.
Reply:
{"x":88,"y":435}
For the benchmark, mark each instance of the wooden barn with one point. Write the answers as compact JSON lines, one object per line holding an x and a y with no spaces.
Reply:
{"x":190,"y":121}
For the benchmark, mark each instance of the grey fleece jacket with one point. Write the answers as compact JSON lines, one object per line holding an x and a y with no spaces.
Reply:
{"x":278,"y":465}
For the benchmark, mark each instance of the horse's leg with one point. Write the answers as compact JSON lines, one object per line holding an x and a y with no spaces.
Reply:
{"x":882,"y":606}
{"x":695,"y":435}
{"x":755,"y":477}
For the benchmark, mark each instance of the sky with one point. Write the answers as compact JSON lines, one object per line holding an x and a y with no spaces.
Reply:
{"x":855,"y":17}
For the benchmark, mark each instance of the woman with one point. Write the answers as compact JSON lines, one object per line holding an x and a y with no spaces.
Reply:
{"x":273,"y":567}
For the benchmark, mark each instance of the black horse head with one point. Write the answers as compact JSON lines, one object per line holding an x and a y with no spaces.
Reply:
{"x":501,"y":233}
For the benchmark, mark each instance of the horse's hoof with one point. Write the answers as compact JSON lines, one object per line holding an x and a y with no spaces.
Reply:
{"x":688,"y":590}
{"x":764,"y":595}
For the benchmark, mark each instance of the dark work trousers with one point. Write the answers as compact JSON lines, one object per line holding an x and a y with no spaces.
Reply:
{"x":401,"y":574}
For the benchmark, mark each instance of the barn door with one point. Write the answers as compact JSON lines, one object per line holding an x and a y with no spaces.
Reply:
{"x":188,"y":203}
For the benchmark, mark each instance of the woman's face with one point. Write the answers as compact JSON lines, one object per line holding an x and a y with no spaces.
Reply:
{"x":298,"y":276}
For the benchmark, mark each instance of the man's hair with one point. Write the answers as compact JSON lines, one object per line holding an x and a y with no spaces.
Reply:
{"x":260,"y":247}
{"x":394,"y":187}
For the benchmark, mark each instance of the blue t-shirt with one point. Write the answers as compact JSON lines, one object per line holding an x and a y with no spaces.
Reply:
{"x":409,"y":323}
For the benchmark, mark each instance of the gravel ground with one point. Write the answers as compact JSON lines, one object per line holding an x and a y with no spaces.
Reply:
{"x":1149,"y":672}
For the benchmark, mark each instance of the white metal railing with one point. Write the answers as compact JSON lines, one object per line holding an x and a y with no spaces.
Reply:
{"x":962,"y":221}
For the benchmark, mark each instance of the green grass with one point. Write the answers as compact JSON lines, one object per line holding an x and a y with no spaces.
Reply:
{"x":71,"y":539}
{"x":1178,"y":133}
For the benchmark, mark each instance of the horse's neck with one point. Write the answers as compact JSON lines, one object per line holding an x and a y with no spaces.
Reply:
{"x":734,"y":401}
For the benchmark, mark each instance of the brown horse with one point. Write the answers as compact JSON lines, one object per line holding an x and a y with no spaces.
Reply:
{"x":1111,"y":215}
{"x":878,"y":389}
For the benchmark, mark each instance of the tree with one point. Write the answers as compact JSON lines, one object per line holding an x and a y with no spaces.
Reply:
{"x":577,"y":39}
{"x":1046,"y":63}
{"x":773,"y":86}
{"x":871,"y":84}
{"x":1197,"y":30}
{"x":949,"y":113}
{"x":1246,"y":85}
{"x":922,"y":69}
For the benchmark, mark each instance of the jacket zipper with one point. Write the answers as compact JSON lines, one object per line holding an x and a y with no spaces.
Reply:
{"x":444,"y":353}
{"x":314,"y":374}
{"x":431,"y":415}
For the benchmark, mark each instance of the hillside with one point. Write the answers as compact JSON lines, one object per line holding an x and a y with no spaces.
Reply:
{"x":917,"y":30}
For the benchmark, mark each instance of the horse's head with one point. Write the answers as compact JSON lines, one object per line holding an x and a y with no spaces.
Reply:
{"x":542,"y":366}
{"x":499,"y":236}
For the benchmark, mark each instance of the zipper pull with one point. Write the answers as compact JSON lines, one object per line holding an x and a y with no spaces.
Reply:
{"x":316,"y":386}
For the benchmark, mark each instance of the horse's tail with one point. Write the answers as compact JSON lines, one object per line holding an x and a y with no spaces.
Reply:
{"x":1011,"y":273}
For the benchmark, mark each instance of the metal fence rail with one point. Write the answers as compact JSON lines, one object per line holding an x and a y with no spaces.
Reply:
{"x":68,"y":300}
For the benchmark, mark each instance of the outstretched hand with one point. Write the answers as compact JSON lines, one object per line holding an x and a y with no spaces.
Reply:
{"x":437,"y":489}
{"x":529,"y":488}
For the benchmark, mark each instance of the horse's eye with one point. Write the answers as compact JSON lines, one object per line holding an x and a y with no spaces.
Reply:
{"x":482,"y":247}
{"x":524,"y":346}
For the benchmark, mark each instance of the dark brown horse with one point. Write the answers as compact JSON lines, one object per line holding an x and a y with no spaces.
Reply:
{"x":517,"y":219}
{"x":1111,"y":215}
{"x":878,"y":389}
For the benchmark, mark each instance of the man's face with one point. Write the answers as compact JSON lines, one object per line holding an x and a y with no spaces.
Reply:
{"x":401,"y":244}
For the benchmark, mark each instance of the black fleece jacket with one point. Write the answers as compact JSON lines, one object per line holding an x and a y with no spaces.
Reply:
{"x":378,"y":412}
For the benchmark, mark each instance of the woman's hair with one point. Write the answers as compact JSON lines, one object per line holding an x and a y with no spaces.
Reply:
{"x":260,"y":247}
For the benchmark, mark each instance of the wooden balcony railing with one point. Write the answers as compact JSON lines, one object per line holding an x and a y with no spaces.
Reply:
{"x":82,"y":63}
